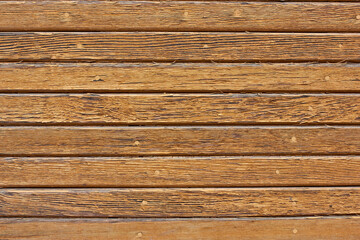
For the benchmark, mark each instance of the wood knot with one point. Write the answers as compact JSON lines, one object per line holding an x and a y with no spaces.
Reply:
{"x":295,"y":230}
{"x":293,"y":139}
{"x":358,"y":17}
{"x":136,"y":143}
{"x":66,"y":17}
{"x":327,"y":78}
{"x":237,"y":13}
{"x":98,"y":79}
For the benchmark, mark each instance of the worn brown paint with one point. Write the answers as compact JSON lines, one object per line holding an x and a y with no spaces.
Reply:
{"x":335,"y":228}
{"x":179,"y":202}
{"x":178,"y":16}
{"x":179,"y":108}
{"x":179,"y":77}
{"x":179,"y":171}
{"x":135,"y":37}
{"x":179,"y":140}
{"x":184,"y":46}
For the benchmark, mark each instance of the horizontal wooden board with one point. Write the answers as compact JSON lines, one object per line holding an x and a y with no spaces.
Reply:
{"x":178,"y":108}
{"x":186,"y":46}
{"x":185,"y":202}
{"x":116,"y":141}
{"x":179,"y":171}
{"x":321,"y":228}
{"x":179,"y":77}
{"x":178,"y":16}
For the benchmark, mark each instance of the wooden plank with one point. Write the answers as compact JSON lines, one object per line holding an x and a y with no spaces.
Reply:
{"x":172,"y":46}
{"x":175,"y":171}
{"x":164,"y":77}
{"x":178,"y":16}
{"x":115,"y":141}
{"x":178,"y":108}
{"x":335,"y":228}
{"x":179,"y":202}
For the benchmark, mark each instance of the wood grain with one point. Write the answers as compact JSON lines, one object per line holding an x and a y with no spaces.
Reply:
{"x":179,"y":202}
{"x":179,"y":171}
{"x":179,"y":77}
{"x":115,"y":141}
{"x":178,"y":108}
{"x":74,"y":153}
{"x":321,"y":228}
{"x":185,"y":46}
{"x":178,"y":16}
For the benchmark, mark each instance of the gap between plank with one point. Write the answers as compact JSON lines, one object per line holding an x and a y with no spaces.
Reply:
{"x":89,"y":219}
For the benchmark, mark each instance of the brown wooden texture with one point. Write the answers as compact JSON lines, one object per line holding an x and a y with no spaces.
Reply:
{"x":168,"y":77}
{"x":186,"y":46}
{"x":179,"y":202}
{"x":78,"y":79}
{"x":178,"y":140}
{"x":178,"y":108}
{"x":179,"y":171}
{"x":178,"y":16}
{"x":334,"y":228}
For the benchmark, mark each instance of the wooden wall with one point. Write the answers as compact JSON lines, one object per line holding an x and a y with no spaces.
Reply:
{"x":180,"y":120}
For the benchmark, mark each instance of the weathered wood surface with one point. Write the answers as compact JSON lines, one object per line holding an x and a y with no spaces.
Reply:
{"x":111,"y":141}
{"x":179,"y":171}
{"x":186,"y":46}
{"x":56,"y":175}
{"x":179,"y":202}
{"x":334,"y":228}
{"x":179,"y":108}
{"x":179,"y":77}
{"x":178,"y":16}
